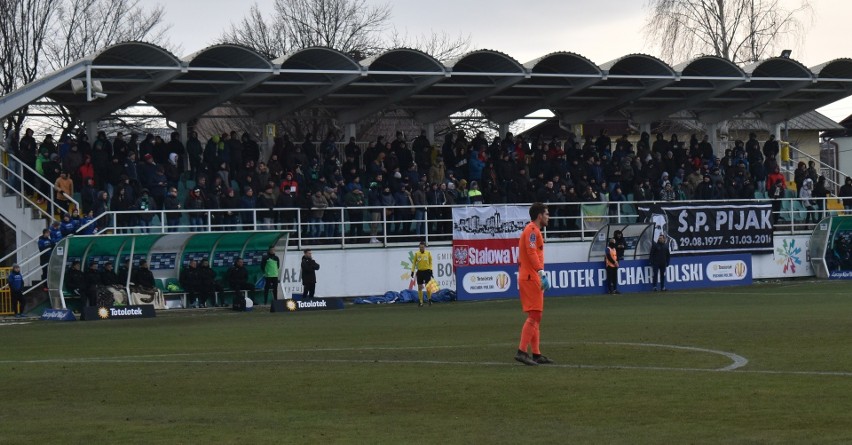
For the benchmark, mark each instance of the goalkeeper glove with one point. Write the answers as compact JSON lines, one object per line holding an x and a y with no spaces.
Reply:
{"x":545,"y":282}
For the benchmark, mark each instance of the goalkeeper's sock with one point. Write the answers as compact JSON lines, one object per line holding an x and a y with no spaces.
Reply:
{"x":420,"y":296}
{"x":527,"y":334}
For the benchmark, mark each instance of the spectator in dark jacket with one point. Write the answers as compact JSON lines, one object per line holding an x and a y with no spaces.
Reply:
{"x":189,"y":282}
{"x":172,"y":203}
{"x":660,"y":256}
{"x":109,"y":277}
{"x":93,"y":280}
{"x":16,"y":288}
{"x":846,"y":193}
{"x":143,"y":276}
{"x":100,"y":207}
{"x":75,"y":280}
{"x":238,"y":280}
{"x":206,"y":280}
{"x":309,"y":275}
{"x":195,"y":200}
{"x":158,"y":186}
{"x":248,"y":201}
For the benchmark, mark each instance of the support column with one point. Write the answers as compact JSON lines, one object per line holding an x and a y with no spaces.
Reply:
{"x":92,"y":131}
{"x":350,"y":132}
{"x":646,"y":128}
{"x":270,"y":131}
{"x":776,"y":130}
{"x":504,"y":128}
{"x":430,"y":133}
{"x":183,"y":130}
{"x":713,"y":138}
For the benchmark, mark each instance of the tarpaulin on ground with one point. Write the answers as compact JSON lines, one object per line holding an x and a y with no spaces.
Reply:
{"x":407,"y":296}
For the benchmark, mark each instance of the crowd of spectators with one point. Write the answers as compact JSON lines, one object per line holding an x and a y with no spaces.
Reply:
{"x":226,"y":172}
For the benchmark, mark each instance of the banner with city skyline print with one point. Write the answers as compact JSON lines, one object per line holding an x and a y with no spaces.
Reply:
{"x":487,"y":235}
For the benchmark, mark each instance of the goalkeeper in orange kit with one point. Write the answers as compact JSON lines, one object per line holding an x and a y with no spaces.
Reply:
{"x":532,"y":282}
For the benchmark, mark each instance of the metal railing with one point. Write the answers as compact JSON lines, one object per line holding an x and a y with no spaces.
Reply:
{"x":40,"y":268}
{"x":348,"y":227}
{"x":364,"y":227}
{"x":13,"y":179}
{"x":832,"y":175}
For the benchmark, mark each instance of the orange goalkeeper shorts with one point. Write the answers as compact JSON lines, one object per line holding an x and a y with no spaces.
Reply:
{"x":532,"y":297}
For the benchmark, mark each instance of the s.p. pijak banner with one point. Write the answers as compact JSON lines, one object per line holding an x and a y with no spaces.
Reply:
{"x":487,"y":235}
{"x":588,"y":278}
{"x":712,"y":228}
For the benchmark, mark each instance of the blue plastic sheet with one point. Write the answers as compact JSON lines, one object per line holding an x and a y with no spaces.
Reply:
{"x":406,"y":296}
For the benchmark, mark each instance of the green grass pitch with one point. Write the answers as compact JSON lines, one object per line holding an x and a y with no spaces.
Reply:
{"x":636,"y":368}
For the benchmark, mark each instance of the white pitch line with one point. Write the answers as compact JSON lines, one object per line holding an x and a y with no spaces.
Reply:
{"x":738,"y":361}
{"x":443,"y":363}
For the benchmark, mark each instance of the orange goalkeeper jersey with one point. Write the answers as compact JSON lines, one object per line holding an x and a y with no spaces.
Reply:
{"x":531,"y":252}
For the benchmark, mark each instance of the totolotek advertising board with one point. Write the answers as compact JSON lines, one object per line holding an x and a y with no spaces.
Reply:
{"x":588,"y":278}
{"x":714,"y":228}
{"x":92,"y":313}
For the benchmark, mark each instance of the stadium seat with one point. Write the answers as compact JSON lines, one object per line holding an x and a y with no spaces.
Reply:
{"x":163,"y":285}
{"x":800,"y":213}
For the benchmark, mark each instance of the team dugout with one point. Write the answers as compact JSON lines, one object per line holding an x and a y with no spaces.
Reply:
{"x":166,"y":255}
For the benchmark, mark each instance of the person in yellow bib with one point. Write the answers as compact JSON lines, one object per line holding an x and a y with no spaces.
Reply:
{"x":422,"y":266}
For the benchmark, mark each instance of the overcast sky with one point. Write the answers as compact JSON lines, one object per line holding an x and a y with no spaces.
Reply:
{"x":601,"y":30}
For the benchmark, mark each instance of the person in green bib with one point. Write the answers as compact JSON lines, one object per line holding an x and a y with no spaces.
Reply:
{"x":270,"y":265}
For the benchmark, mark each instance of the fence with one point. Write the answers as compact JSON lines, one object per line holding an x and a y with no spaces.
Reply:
{"x":341,"y":227}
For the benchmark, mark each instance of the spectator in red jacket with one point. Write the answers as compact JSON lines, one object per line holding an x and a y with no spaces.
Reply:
{"x":774,"y":177}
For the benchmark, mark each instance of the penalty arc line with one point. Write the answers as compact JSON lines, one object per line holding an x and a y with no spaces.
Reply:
{"x":452,"y":363}
{"x":737,"y":360}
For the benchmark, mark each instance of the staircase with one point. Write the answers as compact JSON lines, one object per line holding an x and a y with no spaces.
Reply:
{"x":24,"y":216}
{"x":834,"y":177}
{"x":27,"y":224}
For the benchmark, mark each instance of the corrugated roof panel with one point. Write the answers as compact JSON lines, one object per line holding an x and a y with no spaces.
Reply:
{"x":318,"y":58}
{"x":229,"y":56}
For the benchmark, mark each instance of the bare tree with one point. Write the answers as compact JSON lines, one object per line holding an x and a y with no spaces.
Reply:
{"x":742,"y":31}
{"x":350,"y":26}
{"x":439,"y":45}
{"x":254,"y":31}
{"x":39,"y":36}
{"x":88,"y":26}
{"x":24,"y":30}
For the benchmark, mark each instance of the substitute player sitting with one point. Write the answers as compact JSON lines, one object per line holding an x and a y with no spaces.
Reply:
{"x":532,"y":282}
{"x":422,"y":266}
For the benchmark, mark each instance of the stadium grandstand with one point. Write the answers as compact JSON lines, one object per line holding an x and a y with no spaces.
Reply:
{"x":627,"y":134}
